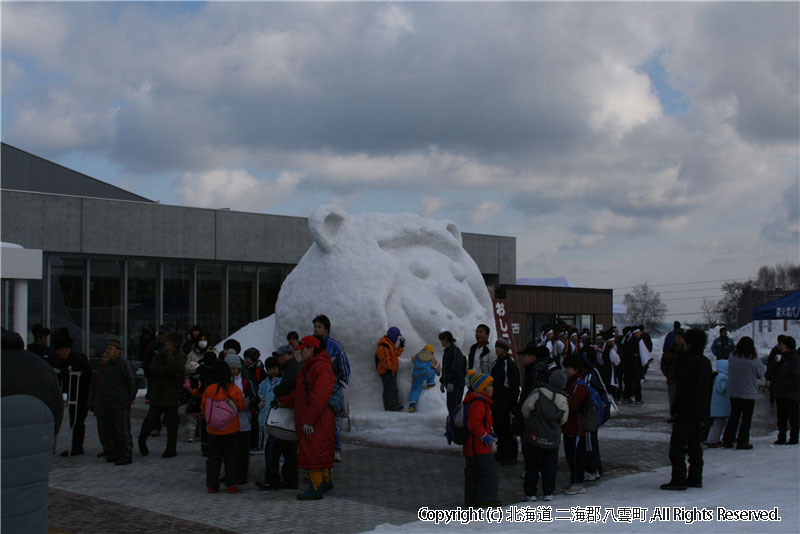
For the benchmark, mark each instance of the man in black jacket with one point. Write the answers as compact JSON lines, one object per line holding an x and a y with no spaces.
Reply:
{"x":25,"y":373}
{"x":633,"y":371}
{"x":275,"y":448}
{"x":119,"y":391}
{"x":506,"y":395}
{"x":689,"y":410}
{"x":65,"y":361}
{"x":787,"y":391}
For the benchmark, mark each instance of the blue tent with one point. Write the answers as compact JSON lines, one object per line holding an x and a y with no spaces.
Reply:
{"x":787,"y":307}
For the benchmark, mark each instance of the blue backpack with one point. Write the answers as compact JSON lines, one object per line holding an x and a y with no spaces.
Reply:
{"x":595,"y":412}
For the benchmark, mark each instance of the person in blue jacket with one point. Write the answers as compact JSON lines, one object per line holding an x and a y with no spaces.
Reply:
{"x":426,"y":367}
{"x":723,"y":346}
{"x":720,"y":405}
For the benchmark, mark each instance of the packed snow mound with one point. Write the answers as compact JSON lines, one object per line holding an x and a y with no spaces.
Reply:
{"x":372,"y":271}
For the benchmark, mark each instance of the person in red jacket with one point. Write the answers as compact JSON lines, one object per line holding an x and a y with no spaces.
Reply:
{"x":313,"y":417}
{"x":222,"y":443}
{"x":480,"y":471}
{"x":573,"y":432}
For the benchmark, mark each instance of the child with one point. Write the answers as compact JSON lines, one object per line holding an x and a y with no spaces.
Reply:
{"x":243,"y":436}
{"x":267,"y":395}
{"x":222,"y":442}
{"x":426,"y":367}
{"x":548,"y":407}
{"x":574,"y":432}
{"x":480,"y":472}
{"x":720,"y":405}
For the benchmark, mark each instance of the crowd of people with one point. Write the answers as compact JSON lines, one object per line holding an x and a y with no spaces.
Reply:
{"x":560,"y":389}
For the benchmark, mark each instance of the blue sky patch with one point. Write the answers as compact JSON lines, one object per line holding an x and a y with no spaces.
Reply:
{"x":672,"y":100}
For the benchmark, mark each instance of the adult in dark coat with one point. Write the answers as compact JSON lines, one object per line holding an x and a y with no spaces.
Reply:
{"x":505,"y":374}
{"x":633,"y":371}
{"x":25,"y":373}
{"x":155,"y":346}
{"x":98,"y":407}
{"x":39,"y":345}
{"x":689,"y":410}
{"x":787,"y":391}
{"x":167,"y":370}
{"x":454,"y":371}
{"x":313,"y":415}
{"x":65,"y":361}
{"x":669,"y":363}
{"x":119,"y":392}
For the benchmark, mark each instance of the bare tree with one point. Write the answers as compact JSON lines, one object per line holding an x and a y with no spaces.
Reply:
{"x":709,"y":309}
{"x":645,"y":306}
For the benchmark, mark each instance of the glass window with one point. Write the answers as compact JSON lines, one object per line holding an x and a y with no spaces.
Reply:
{"x":35,"y":306}
{"x":269,"y":285}
{"x":67,"y":300}
{"x":535,"y":322}
{"x":178,"y":296}
{"x":242,"y":296}
{"x":210,"y":300}
{"x":142,"y":298}
{"x":105,"y":304}
{"x":8,"y":304}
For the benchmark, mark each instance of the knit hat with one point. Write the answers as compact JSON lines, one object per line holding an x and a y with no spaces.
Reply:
{"x":283,"y":349}
{"x":114,"y":343}
{"x":478,"y":381}
{"x":233,"y":361}
{"x":393,"y":333}
{"x":61,"y":339}
{"x":558,"y":379}
{"x":429,"y":348}
{"x":503,"y":342}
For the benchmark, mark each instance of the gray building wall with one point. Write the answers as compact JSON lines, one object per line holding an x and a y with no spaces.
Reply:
{"x":23,"y":171}
{"x":71,"y":224}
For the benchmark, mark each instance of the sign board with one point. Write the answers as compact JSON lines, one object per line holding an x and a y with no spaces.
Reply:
{"x":502,"y":325}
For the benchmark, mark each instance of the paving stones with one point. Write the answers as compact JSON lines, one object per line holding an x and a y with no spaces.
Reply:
{"x":373,"y":485}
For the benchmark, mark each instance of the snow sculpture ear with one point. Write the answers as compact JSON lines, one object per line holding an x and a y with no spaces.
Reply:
{"x":324,"y":225}
{"x":453,"y":229}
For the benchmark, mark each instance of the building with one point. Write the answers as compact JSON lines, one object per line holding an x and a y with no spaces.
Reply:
{"x":117,"y":265}
{"x":530,"y":308}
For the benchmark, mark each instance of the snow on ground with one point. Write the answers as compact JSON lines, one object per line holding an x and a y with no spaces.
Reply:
{"x":770,"y":478}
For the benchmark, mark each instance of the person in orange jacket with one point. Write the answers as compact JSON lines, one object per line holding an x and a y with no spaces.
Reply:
{"x":222,"y":442}
{"x":480,"y":471}
{"x":390,"y":347}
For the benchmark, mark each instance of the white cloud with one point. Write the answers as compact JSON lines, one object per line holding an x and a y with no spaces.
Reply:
{"x":485,"y":211}
{"x":235,"y":189}
{"x":431,"y":206}
{"x":393,"y":22}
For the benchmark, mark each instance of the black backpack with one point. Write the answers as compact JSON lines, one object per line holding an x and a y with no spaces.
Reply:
{"x":543,"y":427}
{"x":456,"y":430}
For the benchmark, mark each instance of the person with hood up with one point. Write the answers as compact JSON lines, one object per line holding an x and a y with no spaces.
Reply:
{"x":720,"y":405}
{"x":480,"y":470}
{"x":787,"y":391}
{"x":425,"y":369}
{"x":313,"y":416}
{"x":548,"y":405}
{"x":390,"y":347}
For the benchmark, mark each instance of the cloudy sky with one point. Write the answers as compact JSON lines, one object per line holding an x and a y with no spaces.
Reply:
{"x":619,"y":143}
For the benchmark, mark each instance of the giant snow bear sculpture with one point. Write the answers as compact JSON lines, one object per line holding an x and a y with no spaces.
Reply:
{"x":372,"y":271}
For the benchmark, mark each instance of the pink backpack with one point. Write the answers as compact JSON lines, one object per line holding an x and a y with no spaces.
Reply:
{"x":220,"y":413}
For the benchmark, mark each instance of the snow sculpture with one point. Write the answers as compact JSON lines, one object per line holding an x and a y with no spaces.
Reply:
{"x":372,"y":271}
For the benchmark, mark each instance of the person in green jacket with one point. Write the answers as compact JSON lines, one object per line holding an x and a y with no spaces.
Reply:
{"x":167,"y":371}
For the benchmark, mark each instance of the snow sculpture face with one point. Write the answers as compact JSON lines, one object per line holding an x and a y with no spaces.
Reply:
{"x":372,"y":271}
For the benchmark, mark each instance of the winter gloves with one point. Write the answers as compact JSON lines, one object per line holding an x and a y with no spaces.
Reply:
{"x":488,"y":439}
{"x":308,"y":430}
